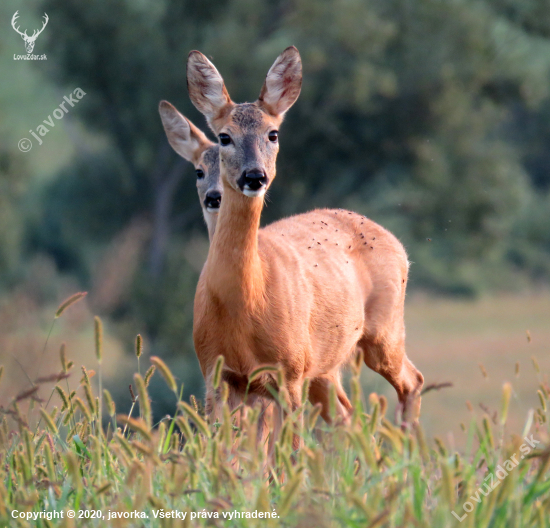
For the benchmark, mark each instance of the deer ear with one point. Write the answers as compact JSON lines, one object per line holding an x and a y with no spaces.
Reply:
{"x":206,"y":88}
{"x":283,"y":83}
{"x":184,"y":137}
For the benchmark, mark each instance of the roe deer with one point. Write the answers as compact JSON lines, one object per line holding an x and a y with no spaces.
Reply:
{"x":191,"y":144}
{"x":305,"y":292}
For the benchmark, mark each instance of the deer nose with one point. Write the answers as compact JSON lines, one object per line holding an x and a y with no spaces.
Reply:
{"x":213,"y":200}
{"x":254,"y":179}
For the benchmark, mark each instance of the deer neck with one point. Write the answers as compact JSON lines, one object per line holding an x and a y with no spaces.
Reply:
{"x":234,"y":267}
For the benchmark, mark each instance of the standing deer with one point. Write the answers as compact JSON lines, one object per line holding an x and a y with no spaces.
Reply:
{"x":191,"y":144}
{"x":305,"y":292}
{"x":29,"y":41}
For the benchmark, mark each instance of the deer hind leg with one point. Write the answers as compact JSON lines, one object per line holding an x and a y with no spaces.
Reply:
{"x":277,"y":419}
{"x":295,"y":400}
{"x":265,"y":421}
{"x":390,"y":361}
{"x":276,"y":426}
{"x":319,"y":392}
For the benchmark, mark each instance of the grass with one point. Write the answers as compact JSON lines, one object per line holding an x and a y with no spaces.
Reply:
{"x":82,"y":456}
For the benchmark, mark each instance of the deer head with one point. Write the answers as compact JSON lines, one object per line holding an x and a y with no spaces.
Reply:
{"x":248,"y":132}
{"x":191,"y":144}
{"x":29,"y":41}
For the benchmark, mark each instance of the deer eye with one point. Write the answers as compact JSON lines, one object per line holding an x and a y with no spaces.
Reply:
{"x":200,"y":174}
{"x":224,"y":139}
{"x":273,"y":135}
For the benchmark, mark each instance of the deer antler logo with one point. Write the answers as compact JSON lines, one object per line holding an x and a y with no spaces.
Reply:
{"x":29,"y":41}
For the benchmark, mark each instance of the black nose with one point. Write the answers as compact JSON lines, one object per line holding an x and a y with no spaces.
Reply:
{"x":254,"y":180}
{"x":213,"y":199}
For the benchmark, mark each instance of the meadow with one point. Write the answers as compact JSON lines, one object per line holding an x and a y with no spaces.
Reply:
{"x":478,"y":346}
{"x":66,"y":448}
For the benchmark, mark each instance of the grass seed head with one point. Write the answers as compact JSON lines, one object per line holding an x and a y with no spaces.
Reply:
{"x":195,"y":403}
{"x":166,"y":373}
{"x":447,"y":485}
{"x":440,"y":446}
{"x":185,"y":428}
{"x":483,"y":370}
{"x":202,"y":426}
{"x":139,"y":346}
{"x":149,"y":375}
{"x":49,"y":422}
{"x":83,"y":409}
{"x":63,"y":396}
{"x":90,"y":398}
{"x":69,"y":302}
{"x":132,"y":395}
{"x":50,"y":467}
{"x":85,"y":376}
{"x":217,"y":376}
{"x":103,"y":488}
{"x":542,"y":400}
{"x":109,"y":402}
{"x":225,"y":392}
{"x":488,"y":431}
{"x":383,"y":405}
{"x":125,"y":445}
{"x":137,"y":425}
{"x":98,"y":333}
{"x":305,"y":390}
{"x":144,"y":402}
{"x":506,"y":394}
{"x":26,"y":394}
{"x":68,"y":415}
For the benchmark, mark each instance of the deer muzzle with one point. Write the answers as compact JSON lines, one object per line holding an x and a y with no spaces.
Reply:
{"x":253,"y":182}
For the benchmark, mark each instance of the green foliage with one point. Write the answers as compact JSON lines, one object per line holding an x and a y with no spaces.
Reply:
{"x":13,"y":175}
{"x":365,"y":473}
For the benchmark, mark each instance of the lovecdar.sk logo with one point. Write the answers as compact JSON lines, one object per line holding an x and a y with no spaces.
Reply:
{"x":29,"y":40}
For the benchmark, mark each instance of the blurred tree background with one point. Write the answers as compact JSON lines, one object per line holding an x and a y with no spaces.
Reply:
{"x":430,"y":117}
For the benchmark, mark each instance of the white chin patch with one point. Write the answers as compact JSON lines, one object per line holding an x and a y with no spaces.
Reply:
{"x":213,"y":210}
{"x":253,"y":194}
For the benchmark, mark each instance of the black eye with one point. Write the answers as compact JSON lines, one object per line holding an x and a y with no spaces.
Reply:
{"x":224,"y":139}
{"x":200,"y":174}
{"x":273,"y":135}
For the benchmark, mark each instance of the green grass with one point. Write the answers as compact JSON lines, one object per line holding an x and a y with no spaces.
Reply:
{"x":82,"y":455}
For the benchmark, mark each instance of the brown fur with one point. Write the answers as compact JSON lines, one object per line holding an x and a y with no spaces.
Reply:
{"x":306,"y":292}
